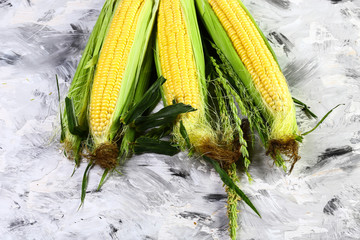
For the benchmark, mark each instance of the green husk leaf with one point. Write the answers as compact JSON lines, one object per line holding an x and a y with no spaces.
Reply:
{"x":305,"y":108}
{"x":77,"y":148}
{"x":73,"y":122}
{"x":103,"y":178}
{"x":62,"y":136}
{"x":150,"y":145}
{"x":147,"y":74}
{"x":229,"y":182}
{"x":164,"y":116}
{"x":74,"y":170}
{"x":85,"y":181}
{"x":160,"y":132}
{"x":92,"y":62}
{"x":299,"y":138}
{"x":279,"y":161}
{"x":322,"y":120}
{"x":141,"y":88}
{"x":151,"y":96}
{"x":184,"y":134}
{"x":125,"y":146}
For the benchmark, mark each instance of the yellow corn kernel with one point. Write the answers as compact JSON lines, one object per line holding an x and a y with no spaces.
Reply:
{"x":111,"y":65}
{"x":176,"y":56}
{"x":254,"y":53}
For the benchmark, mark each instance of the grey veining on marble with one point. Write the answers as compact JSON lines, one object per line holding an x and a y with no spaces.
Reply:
{"x":160,"y":197}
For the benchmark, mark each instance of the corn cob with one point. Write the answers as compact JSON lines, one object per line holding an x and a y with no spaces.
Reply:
{"x":180,"y":61}
{"x":238,"y":37}
{"x":79,"y":91}
{"x":117,"y":73}
{"x":110,"y":70}
{"x":118,"y":68}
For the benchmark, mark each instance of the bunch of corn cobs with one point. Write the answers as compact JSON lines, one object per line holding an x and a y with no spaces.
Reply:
{"x":218,"y":78}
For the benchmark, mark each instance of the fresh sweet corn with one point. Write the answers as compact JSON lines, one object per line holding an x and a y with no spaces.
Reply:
{"x":236,"y":34}
{"x":80,"y":87}
{"x":117,"y":68}
{"x":251,"y":48}
{"x":180,"y":60}
{"x":112,"y":74}
{"x":111,"y":65}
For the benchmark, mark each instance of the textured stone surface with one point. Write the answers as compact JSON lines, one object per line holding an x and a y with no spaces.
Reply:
{"x":157,"y":197}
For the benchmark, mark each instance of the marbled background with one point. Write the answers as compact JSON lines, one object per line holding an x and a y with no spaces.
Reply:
{"x":159,"y":197}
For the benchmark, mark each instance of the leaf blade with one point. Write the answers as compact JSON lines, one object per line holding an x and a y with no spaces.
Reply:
{"x":150,"y":145}
{"x":228,"y":182}
{"x":322,"y":120}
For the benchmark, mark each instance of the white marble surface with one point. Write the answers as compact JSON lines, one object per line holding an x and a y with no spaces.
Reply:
{"x":157,"y":197}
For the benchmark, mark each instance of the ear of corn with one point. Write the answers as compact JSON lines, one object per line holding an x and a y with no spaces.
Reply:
{"x":117,"y":49}
{"x":238,"y":37}
{"x":179,"y":58}
{"x":80,"y":87}
{"x":118,"y":67}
